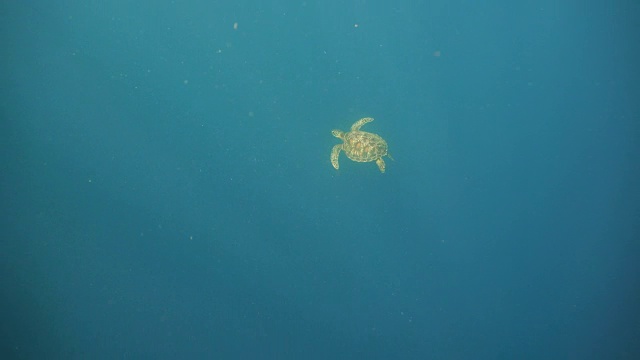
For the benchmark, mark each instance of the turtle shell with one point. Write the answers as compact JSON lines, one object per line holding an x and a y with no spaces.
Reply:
{"x":364,"y":146}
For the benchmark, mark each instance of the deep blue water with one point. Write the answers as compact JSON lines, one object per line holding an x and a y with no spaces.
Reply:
{"x":167,"y":191}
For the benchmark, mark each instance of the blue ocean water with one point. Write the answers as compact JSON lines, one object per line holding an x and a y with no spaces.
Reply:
{"x":167,"y":191}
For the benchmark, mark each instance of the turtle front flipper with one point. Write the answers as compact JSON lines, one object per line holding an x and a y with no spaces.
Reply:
{"x":356,"y":126}
{"x":335,"y":152}
{"x":381,"y":165}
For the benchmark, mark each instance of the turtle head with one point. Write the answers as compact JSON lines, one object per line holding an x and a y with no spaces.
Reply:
{"x":337,"y":133}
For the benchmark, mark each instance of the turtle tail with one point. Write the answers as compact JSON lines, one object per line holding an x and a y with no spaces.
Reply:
{"x":390,"y":157}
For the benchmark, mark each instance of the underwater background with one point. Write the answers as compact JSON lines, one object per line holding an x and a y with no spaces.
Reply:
{"x":167,"y":191}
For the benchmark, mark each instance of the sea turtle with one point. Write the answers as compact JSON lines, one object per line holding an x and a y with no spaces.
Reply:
{"x":360,"y":146}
